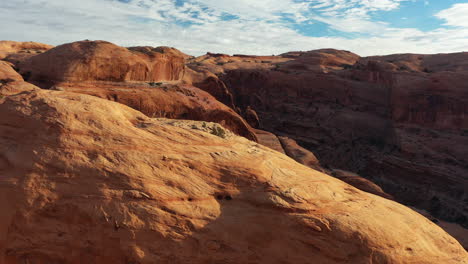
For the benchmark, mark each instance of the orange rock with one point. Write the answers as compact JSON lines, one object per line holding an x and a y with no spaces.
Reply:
{"x":360,"y":183}
{"x":299,"y":154}
{"x":15,"y":47}
{"x":455,"y":230}
{"x":103,"y":61}
{"x":15,"y":87}
{"x":166,"y":100}
{"x":269,"y":140}
{"x":89,"y":180}
{"x":7,"y":73}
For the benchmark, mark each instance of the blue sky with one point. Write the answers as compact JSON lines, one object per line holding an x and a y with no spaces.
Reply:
{"x":366,"y":27}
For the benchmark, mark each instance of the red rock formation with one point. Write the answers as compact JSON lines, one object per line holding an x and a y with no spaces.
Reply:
{"x":89,"y":180}
{"x":168,"y":101}
{"x":27,"y":48}
{"x":251,"y":117}
{"x":103,"y":69}
{"x":360,"y":183}
{"x":103,"y":61}
{"x":270,"y":140}
{"x":7,"y":73}
{"x":299,"y":154}
{"x":15,"y":87}
{"x":398,"y":120}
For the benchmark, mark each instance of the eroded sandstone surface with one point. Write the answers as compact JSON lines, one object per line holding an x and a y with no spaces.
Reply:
{"x":89,"y":180}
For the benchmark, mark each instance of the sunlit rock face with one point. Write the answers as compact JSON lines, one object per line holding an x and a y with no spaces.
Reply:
{"x":87,"y":179}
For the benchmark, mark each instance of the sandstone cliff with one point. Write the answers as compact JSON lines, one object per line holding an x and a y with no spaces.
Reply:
{"x":397,"y":120}
{"x":103,"y":61}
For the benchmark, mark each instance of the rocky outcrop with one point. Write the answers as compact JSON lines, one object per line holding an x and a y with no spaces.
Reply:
{"x":389,"y":119}
{"x":7,"y":73}
{"x":360,"y":183}
{"x":299,"y":154}
{"x":137,"y":190}
{"x":167,"y":101}
{"x":24,"y":49}
{"x":103,"y":61}
{"x":132,"y":76}
{"x":15,"y":87}
{"x":269,"y":140}
{"x":11,"y":82}
{"x":251,"y":117}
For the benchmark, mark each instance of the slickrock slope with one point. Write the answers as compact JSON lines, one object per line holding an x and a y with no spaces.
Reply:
{"x":86,"y":180}
{"x":7,"y":73}
{"x":103,"y":61}
{"x":303,"y":156}
{"x":166,"y":100}
{"x":397,"y":120}
{"x":458,"y":232}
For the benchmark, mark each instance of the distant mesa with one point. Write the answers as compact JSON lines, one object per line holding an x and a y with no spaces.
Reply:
{"x":103,"y":61}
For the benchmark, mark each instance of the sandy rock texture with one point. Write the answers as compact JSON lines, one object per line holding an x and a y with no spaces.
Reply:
{"x":89,"y":180}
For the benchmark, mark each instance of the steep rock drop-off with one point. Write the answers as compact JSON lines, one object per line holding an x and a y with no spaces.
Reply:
{"x":89,"y":180}
{"x":398,"y":120}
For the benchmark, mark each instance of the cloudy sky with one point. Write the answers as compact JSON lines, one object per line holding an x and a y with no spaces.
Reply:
{"x":366,"y":27}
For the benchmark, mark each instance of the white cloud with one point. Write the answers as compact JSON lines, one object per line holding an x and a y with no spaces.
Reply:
{"x":258,"y":29}
{"x":456,"y":16}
